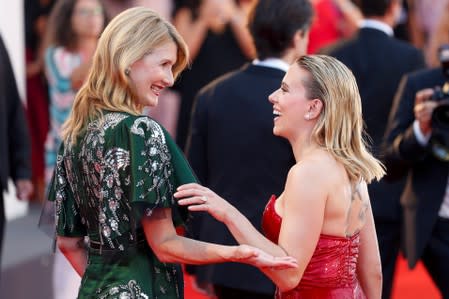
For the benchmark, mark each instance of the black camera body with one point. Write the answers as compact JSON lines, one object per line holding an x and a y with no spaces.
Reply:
{"x":440,"y":115}
{"x":441,"y":94}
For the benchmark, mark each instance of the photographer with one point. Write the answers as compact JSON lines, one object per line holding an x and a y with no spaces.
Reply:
{"x":411,"y":149}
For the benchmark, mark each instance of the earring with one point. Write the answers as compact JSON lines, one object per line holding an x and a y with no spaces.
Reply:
{"x":127,"y":71}
{"x":307,"y":117}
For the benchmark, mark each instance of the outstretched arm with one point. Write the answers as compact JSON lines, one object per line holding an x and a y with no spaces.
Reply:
{"x":241,"y":228}
{"x":171,"y":248}
{"x":302,"y":220}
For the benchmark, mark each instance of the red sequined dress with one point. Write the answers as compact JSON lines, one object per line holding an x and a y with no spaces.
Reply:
{"x":331,"y":272}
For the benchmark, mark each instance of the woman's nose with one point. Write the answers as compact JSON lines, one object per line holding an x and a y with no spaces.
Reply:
{"x":169,"y":80}
{"x":272,"y":97}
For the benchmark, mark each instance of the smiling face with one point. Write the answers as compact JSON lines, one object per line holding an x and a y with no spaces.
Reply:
{"x":291,"y":106}
{"x":152,"y":73}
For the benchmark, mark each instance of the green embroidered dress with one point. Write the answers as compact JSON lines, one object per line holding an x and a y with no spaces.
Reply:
{"x":120,"y":169}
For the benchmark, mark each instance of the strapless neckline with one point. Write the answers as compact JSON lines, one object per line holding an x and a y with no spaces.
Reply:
{"x":270,"y":207}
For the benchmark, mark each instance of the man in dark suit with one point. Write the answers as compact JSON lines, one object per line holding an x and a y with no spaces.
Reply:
{"x":232,"y":148}
{"x":425,"y":200}
{"x":15,"y":156}
{"x":378,"y":62}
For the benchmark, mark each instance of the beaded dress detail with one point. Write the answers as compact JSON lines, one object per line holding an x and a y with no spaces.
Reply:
{"x":120,"y":170}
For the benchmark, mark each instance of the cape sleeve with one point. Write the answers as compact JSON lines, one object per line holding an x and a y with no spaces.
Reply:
{"x":67,"y":215}
{"x":157,"y":169}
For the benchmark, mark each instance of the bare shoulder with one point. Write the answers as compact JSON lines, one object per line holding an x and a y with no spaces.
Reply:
{"x":309,"y":174}
{"x":320,"y":166}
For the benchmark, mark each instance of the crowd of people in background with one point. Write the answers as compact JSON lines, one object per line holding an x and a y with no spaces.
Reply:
{"x":392,"y":47}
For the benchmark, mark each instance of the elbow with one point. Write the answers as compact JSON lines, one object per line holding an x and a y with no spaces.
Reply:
{"x":374,"y":286}
{"x":163,"y":252}
{"x":67,"y":245}
{"x":376,"y":274}
{"x":371,"y":281}
{"x":378,"y":278}
{"x":288,"y":281}
{"x":62,"y":247}
{"x":165,"y":257}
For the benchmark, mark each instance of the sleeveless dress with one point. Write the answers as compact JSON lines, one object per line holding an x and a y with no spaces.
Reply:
{"x":59,"y":66}
{"x":331,"y":272}
{"x":121,"y":168}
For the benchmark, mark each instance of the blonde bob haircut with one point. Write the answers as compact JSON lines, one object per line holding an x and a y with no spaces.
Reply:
{"x":130,"y":36}
{"x":339,"y":128}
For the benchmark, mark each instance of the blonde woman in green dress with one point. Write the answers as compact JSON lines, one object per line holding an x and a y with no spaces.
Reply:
{"x":117,"y":170}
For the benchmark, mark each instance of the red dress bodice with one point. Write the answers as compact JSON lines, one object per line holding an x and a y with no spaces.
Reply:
{"x":331,"y":272}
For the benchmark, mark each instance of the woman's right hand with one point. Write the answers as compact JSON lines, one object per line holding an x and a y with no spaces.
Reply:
{"x":199,"y":198}
{"x":258,"y":258}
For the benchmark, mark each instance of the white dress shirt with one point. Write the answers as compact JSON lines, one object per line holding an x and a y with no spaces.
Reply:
{"x":375,"y":24}
{"x":275,"y":63}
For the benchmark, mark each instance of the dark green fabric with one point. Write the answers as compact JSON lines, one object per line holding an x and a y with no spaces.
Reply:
{"x":121,"y":168}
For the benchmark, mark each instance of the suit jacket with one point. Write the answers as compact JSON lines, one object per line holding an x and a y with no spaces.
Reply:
{"x":378,"y":62}
{"x":233,"y":151}
{"x":426,"y":176}
{"x":14,"y":140}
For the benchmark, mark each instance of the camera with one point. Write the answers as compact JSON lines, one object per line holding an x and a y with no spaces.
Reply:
{"x":440,"y":115}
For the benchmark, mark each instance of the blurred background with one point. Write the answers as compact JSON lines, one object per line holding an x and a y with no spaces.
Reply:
{"x":27,"y":269}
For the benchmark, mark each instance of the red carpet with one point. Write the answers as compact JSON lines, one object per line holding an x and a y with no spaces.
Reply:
{"x":415,"y":284}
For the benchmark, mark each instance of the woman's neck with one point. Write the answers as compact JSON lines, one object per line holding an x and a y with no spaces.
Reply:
{"x":303,"y":146}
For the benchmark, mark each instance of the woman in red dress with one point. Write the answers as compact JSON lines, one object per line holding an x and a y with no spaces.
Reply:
{"x":323,"y":217}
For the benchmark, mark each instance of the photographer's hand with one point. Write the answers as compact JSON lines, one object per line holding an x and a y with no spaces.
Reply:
{"x":423,"y":109}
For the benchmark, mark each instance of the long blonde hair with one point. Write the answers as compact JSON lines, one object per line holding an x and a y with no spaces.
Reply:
{"x":128,"y":37}
{"x":339,"y":128}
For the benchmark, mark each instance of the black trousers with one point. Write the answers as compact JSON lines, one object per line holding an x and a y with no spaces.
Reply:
{"x":436,"y":256}
{"x":230,"y":293}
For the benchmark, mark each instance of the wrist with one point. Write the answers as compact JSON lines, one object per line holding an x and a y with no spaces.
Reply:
{"x":230,"y":253}
{"x":230,"y":216}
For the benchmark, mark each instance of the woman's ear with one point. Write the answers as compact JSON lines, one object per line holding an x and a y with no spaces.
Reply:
{"x":315,"y":108}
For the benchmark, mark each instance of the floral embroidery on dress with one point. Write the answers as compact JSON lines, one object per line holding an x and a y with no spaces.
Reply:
{"x":119,"y":169}
{"x":157,"y":162}
{"x":124,"y":291}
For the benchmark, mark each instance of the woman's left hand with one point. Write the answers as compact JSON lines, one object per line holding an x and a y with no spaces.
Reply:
{"x":199,"y":198}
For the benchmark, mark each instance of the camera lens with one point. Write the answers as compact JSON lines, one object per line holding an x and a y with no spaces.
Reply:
{"x":440,"y":128}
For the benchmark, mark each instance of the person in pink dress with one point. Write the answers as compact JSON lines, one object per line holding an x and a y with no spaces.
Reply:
{"x":323,"y":217}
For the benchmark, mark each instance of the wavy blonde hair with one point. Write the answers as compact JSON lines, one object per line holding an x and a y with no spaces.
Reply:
{"x":339,"y":128}
{"x":128,"y":37}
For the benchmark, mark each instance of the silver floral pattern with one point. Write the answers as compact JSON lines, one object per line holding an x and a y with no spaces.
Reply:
{"x":119,"y":162}
{"x":131,"y":290}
